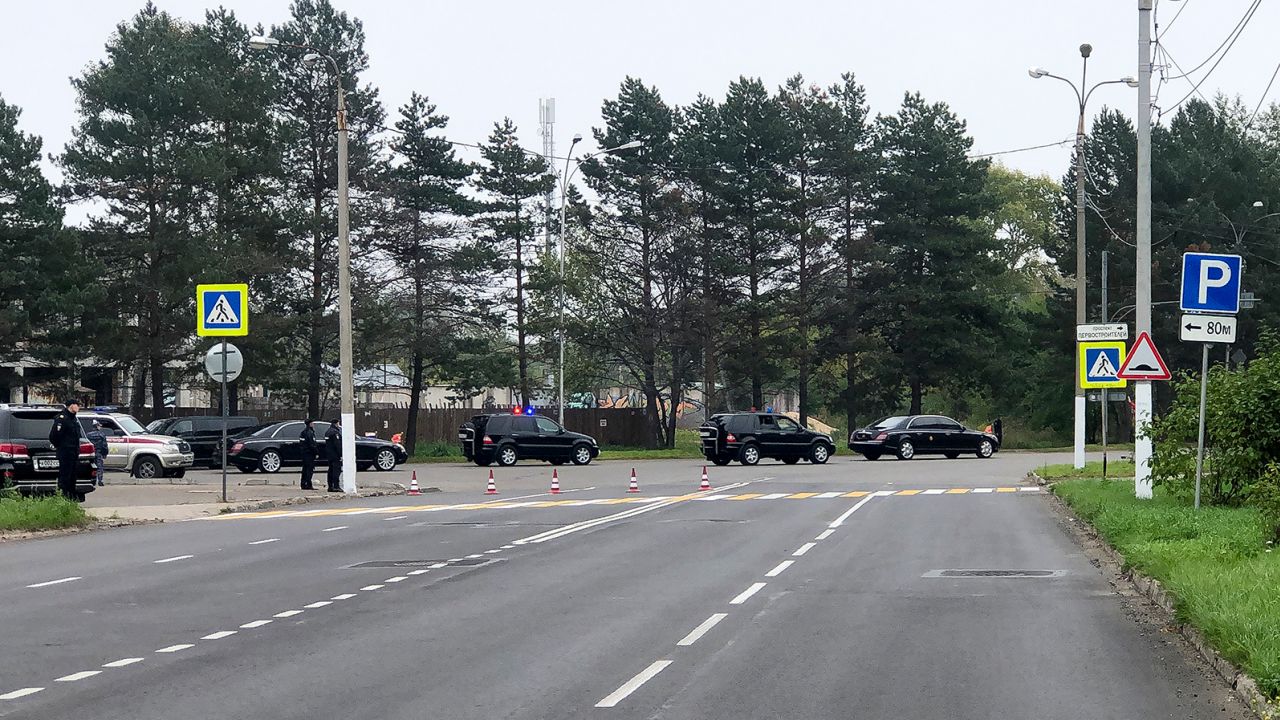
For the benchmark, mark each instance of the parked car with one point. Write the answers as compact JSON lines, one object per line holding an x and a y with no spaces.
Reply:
{"x":140,"y":453}
{"x":907,"y":436}
{"x":507,"y":438}
{"x":272,"y":447}
{"x":28,"y":462}
{"x":749,"y":437}
{"x":203,"y":433}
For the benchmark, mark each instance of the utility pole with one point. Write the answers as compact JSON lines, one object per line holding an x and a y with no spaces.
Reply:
{"x":1142,"y":285}
{"x":347,"y":384}
{"x":1106,"y":392}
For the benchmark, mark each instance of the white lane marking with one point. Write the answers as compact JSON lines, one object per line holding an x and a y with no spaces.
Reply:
{"x":264,"y":542}
{"x":716,"y":497}
{"x":702,"y":629}
{"x":504,"y":547}
{"x":318,"y":604}
{"x":840,"y":520}
{"x":78,"y":676}
{"x":633,"y":684}
{"x":397,"y":517}
{"x":827,"y":495}
{"x":396,"y":579}
{"x":219,"y":635}
{"x":370,"y":588}
{"x":454,"y":560}
{"x":803,"y":549}
{"x":745,"y":595}
{"x":882,"y":493}
{"x":20,"y":693}
{"x":343,"y":596}
{"x":419,"y":571}
{"x":122,"y":662}
{"x":983,"y":490}
{"x":287,"y":613}
{"x":340,"y":527}
{"x":473,"y":557}
{"x":437,"y":566}
{"x":934,"y":491}
{"x":56,"y":582}
{"x":773,"y":496}
{"x":175,"y":648}
{"x":495,"y":550}
{"x":255,"y":624}
{"x":175,"y":558}
{"x":781,"y":566}
{"x":824,"y":534}
{"x":1029,"y":489}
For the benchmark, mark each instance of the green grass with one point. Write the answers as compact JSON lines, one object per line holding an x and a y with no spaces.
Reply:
{"x":1214,"y":561}
{"x":687,"y":446}
{"x":1115,"y":469}
{"x":40,"y":513}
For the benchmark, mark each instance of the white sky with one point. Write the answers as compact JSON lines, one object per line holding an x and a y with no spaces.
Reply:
{"x":484,"y":59}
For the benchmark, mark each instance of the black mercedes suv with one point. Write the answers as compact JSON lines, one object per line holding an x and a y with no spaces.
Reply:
{"x":508,"y":438}
{"x":28,"y":462}
{"x":748,"y":437}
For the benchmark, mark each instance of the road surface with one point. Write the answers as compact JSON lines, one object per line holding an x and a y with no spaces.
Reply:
{"x":795,"y":591}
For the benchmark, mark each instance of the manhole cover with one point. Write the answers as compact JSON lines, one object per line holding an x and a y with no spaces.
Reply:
{"x":417,"y":563}
{"x":995,"y":573}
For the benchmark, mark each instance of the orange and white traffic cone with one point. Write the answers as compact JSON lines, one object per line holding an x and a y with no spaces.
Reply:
{"x":413,"y":485}
{"x":635,"y":486}
{"x":706,"y":482}
{"x":555,"y":482}
{"x":492,"y":489}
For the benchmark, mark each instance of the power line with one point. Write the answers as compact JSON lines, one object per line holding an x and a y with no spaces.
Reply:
{"x":1244,"y":22}
{"x":1264,"y":96}
{"x":1176,"y":15}
{"x":1235,"y":32}
{"x":1018,"y":150}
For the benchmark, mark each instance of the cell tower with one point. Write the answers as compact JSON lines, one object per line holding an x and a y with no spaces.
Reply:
{"x":547,"y":122}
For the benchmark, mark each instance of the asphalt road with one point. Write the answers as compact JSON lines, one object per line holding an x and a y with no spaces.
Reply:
{"x":785,"y":592}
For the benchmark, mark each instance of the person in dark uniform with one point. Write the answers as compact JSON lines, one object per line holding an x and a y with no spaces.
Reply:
{"x":997,"y":428}
{"x":310,"y":449}
{"x":65,"y":438}
{"x":333,"y":453}
{"x":98,"y":437}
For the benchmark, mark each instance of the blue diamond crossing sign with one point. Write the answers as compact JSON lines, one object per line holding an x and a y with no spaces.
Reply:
{"x":222,"y":310}
{"x":1211,"y":282}
{"x":1100,"y":363}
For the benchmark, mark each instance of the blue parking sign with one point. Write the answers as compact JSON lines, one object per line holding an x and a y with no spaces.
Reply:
{"x":1211,"y":282}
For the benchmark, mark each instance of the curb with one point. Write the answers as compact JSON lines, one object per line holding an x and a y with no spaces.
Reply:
{"x":92,"y":525}
{"x":308,"y":499}
{"x":1153,"y":590}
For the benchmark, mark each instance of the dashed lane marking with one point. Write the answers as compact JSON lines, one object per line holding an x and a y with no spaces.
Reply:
{"x":255,"y":624}
{"x":745,"y":595}
{"x":219,"y":635}
{"x":176,"y":648}
{"x":803,"y":549}
{"x":56,"y":582}
{"x":78,"y":676}
{"x":780,"y":568}
{"x":175,"y":558}
{"x":23,"y":693}
{"x":121,"y":662}
{"x":702,"y":629}
{"x":633,"y":684}
{"x":290,"y":613}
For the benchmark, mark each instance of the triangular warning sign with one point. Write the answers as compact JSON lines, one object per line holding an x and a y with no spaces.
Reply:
{"x":1144,"y":361}
{"x":222,"y":313}
{"x":1103,"y":367}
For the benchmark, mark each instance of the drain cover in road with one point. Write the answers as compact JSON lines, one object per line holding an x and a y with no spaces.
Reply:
{"x":417,"y":563}
{"x":994,"y":573}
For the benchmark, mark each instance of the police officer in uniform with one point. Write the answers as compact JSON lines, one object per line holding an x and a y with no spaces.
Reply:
{"x":333,"y":453}
{"x":65,"y":438}
{"x":310,"y":449}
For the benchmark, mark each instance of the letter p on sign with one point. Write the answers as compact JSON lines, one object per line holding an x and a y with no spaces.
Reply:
{"x":1213,"y":274}
{"x":1211,"y":283}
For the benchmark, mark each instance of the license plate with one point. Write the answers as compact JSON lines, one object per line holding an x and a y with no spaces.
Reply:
{"x":46,"y":463}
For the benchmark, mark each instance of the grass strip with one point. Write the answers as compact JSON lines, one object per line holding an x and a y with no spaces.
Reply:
{"x":40,"y":513}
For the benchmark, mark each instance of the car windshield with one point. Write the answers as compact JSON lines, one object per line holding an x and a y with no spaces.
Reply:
{"x":892,"y":421}
{"x":155,"y":425}
{"x":129,"y":424}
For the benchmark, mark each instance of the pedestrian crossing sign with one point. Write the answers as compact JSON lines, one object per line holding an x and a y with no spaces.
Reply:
{"x":1099,"y":364}
{"x":222,"y":310}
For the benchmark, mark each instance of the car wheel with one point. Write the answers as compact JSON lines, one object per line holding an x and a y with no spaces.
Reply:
{"x":986,"y":449}
{"x":270,"y":462}
{"x":720,"y":461}
{"x":246,"y":468}
{"x":906,"y":450}
{"x":581,"y":455}
{"x":791,"y":460}
{"x":749,"y":455}
{"x":385,"y":460}
{"x":507,"y":455}
{"x":820,"y":454}
{"x":871,"y":455}
{"x":146,"y":468}
{"x":951,"y":455}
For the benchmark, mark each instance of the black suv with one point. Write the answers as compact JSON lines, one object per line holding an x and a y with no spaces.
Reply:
{"x":748,"y":437}
{"x":202,"y":432}
{"x":508,"y":438}
{"x":27,"y":460}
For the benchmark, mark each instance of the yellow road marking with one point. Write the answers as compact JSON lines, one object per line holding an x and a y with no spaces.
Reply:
{"x":800,"y":496}
{"x":1006,"y":489}
{"x":746,"y":496}
{"x":956,"y":491}
{"x":908,"y":492}
{"x":856,"y":493}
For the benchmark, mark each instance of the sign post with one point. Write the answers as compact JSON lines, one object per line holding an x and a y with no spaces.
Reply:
{"x":223,"y":311}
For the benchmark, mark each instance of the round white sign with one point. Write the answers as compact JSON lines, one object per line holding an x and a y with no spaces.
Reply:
{"x":213,"y":362}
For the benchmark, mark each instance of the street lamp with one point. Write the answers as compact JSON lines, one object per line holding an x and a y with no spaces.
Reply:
{"x":1082,"y":99}
{"x":564,"y":196}
{"x":347,"y":386}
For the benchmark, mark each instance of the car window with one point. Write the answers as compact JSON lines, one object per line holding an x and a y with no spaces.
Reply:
{"x":547,"y":426}
{"x":126,"y":423}
{"x":239,"y":422}
{"x":180,"y":427}
{"x":767,"y":422}
{"x":31,"y":425}
{"x":156,"y":427}
{"x":743,"y":423}
{"x":289,"y":431}
{"x":890,"y":422}
{"x":787,"y":424}
{"x":524,"y":424}
{"x":946,"y":423}
{"x":110,"y":427}
{"x":499,"y":425}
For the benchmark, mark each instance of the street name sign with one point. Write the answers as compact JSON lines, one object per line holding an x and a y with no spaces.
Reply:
{"x":1100,"y":364}
{"x":1211,"y":283}
{"x":1208,"y":328}
{"x":1104,"y":331}
{"x":222,"y":310}
{"x":1144,"y":362}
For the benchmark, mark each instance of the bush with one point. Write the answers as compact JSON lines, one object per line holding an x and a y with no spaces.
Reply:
{"x":40,"y":513}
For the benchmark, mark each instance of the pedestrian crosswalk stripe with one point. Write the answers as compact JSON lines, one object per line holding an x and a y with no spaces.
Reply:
{"x":957,"y":491}
{"x":746,"y":496}
{"x":773,"y":496}
{"x":856,"y":494}
{"x":801,"y":496}
{"x":908,"y":492}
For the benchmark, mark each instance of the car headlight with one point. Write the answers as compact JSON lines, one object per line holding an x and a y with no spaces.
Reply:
{"x":172,"y":447}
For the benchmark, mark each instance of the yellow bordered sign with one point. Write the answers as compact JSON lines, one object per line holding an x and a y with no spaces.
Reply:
{"x":1099,"y":364}
{"x":222,"y":310}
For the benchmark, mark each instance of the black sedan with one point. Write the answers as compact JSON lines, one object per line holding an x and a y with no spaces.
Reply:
{"x":272,"y":447}
{"x":907,"y":436}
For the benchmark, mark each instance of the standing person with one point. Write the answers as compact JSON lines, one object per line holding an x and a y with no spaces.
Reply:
{"x":65,"y":438}
{"x":99,"y":439}
{"x":333,"y":453}
{"x":998,"y":428}
{"x":310,"y":449}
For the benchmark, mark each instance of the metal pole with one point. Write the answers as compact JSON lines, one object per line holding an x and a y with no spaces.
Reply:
{"x":1081,"y":406}
{"x":224,"y":419}
{"x":348,"y":401}
{"x":564,"y":196}
{"x":1204,"y":386}
{"x":1142,"y":285}
{"x":1106,"y":393}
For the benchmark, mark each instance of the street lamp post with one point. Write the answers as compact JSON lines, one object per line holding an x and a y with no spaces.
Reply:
{"x":564,"y":198}
{"x":345,"y":362}
{"x":1082,"y":100}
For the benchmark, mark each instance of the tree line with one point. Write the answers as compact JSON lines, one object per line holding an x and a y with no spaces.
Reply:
{"x":762,"y":240}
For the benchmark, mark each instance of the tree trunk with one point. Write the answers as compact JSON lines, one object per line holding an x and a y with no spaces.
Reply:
{"x":415,"y":403}
{"x":157,"y":386}
{"x":138,"y":394}
{"x":802,"y":309}
{"x":754,"y":346}
{"x":917,"y":396}
{"x":849,"y":314}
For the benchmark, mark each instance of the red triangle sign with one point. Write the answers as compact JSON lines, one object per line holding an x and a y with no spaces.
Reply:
{"x":1144,"y":362}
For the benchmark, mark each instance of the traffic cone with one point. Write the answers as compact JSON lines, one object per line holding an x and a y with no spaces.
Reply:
{"x":706,"y":483}
{"x":635,"y":486}
{"x":492,"y":489}
{"x":413,"y":484}
{"x":555,"y":482}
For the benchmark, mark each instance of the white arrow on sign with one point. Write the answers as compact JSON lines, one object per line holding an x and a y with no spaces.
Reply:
{"x":1208,"y":328}
{"x":213,"y":362}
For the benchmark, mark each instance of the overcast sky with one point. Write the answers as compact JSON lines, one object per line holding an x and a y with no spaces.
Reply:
{"x":485,"y":59}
